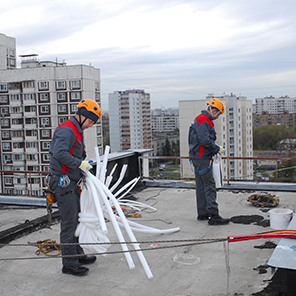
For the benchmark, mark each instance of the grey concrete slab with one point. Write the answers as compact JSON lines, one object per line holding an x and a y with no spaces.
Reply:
{"x":188,"y":270}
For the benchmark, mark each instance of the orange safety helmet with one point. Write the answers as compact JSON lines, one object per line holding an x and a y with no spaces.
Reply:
{"x":89,"y":109}
{"x":216,"y":103}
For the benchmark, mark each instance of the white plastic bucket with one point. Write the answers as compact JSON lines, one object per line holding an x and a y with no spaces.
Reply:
{"x":280,"y":218}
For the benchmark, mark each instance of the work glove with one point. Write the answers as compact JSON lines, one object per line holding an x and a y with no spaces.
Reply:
{"x":85,"y":165}
{"x":222,"y":149}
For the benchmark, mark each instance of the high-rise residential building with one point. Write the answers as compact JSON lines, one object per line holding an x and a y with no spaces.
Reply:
{"x":34,"y":99}
{"x":234,"y":132}
{"x":130,"y":120}
{"x":7,"y":52}
{"x":164,"y":123}
{"x":274,"y":105}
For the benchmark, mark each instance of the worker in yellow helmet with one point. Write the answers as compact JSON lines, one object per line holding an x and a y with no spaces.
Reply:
{"x":202,"y":148}
{"x":67,"y":164}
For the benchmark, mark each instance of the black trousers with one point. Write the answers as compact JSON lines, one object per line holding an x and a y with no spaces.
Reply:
{"x":68,"y":201}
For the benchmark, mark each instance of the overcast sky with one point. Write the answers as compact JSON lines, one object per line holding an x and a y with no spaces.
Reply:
{"x":173,"y":49}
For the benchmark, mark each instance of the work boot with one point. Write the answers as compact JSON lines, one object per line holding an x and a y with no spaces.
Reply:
{"x":217,"y":220}
{"x":75,"y":270}
{"x":203,"y":217}
{"x":87,"y":260}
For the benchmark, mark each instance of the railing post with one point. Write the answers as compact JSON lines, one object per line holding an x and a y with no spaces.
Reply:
{"x":145,"y":165}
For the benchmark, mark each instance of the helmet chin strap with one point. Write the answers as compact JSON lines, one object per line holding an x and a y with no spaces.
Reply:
{"x":81,"y":123}
{"x":212,"y":115}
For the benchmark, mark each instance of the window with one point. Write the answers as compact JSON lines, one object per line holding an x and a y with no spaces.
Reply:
{"x":28,"y":84}
{"x":45,"y":145}
{"x":45,"y":133}
{"x":17,"y":134}
{"x":43,"y":97}
{"x":29,"y":97}
{"x":62,"y":108}
{"x":31,"y":145}
{"x":44,"y":109}
{"x":6,"y":157}
{"x":5,"y":135}
{"x":32,"y":157}
{"x":74,"y":108}
{"x":62,"y":119}
{"x":75,"y":96}
{"x":74,"y":84}
{"x":4,"y":99}
{"x":43,"y":85}
{"x":44,"y":121}
{"x":61,"y":96}
{"x":4,"y":111}
{"x":61,"y":84}
{"x":14,"y":98}
{"x":46,"y":157}
{"x":16,"y":121}
{"x":5,"y":122}
{"x":3,"y":87}
{"x":17,"y":109}
{"x":8,"y":181}
{"x":18,"y":157}
{"x":6,"y":146}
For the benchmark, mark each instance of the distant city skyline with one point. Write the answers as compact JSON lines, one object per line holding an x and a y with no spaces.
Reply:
{"x":174,"y":50}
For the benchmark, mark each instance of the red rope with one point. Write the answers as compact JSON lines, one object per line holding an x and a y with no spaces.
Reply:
{"x":286,"y":233}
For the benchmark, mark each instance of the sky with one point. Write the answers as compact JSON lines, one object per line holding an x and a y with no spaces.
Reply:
{"x":175,"y":50}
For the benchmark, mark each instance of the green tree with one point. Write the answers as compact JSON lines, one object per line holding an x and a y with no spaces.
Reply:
{"x":267,"y":136}
{"x":166,"y":149}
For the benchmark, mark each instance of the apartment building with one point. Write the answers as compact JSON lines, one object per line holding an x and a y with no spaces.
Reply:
{"x":130,"y":120}
{"x":234,"y":132}
{"x":164,"y":123}
{"x":7,"y":52}
{"x":287,"y":119}
{"x":274,"y":105}
{"x":34,"y":99}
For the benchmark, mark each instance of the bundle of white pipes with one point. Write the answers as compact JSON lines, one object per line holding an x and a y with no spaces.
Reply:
{"x":97,"y":203}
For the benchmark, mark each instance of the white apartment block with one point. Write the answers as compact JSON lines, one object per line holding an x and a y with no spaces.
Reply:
{"x":234,"y":132}
{"x":34,"y":99}
{"x":129,"y":120}
{"x":274,"y":105}
{"x":164,"y":123}
{"x":7,"y":52}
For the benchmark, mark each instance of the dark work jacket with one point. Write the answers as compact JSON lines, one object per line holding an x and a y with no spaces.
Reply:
{"x":202,"y":137}
{"x":67,"y":149}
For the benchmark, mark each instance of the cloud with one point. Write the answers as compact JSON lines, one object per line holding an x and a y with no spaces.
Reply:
{"x":174,"y":49}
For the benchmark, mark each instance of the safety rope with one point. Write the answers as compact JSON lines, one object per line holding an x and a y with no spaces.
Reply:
{"x":46,"y":246}
{"x":38,"y":244}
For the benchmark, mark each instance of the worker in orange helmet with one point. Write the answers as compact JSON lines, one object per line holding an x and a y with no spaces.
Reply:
{"x":202,"y":148}
{"x":67,"y":165}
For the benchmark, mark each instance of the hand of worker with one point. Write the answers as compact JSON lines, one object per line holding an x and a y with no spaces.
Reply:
{"x":85,"y":165}
{"x":222,"y":149}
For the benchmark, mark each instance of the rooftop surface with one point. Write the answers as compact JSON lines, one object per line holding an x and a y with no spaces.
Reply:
{"x":199,"y":269}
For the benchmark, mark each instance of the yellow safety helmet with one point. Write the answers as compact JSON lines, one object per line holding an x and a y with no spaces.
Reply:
{"x":216,"y":103}
{"x":90,"y":109}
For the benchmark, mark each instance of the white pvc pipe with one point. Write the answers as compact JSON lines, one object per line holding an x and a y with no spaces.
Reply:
{"x":104,"y":165}
{"x":139,"y":204}
{"x":128,"y":229}
{"x":146,"y":229}
{"x":131,"y":183}
{"x":112,"y":218}
{"x":98,"y":162}
{"x":123,"y":170}
{"x":110,"y":177}
{"x":98,"y":206}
